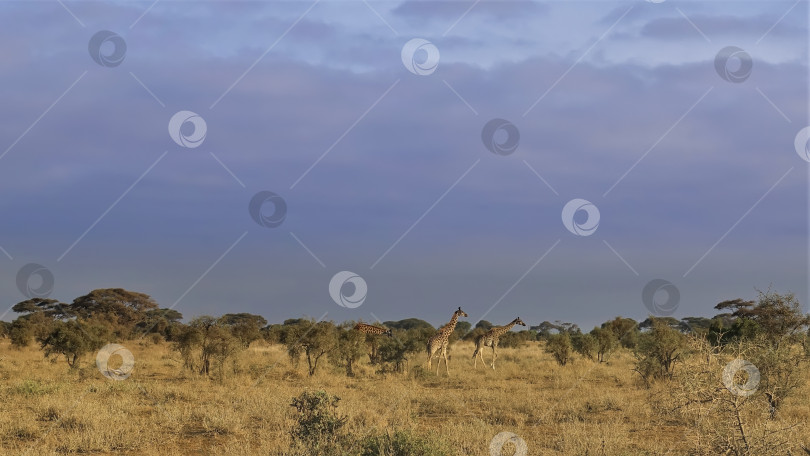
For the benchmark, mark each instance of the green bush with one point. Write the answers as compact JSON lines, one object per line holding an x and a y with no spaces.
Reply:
{"x":318,"y":428}
{"x":559,"y":346}
{"x":402,"y":443}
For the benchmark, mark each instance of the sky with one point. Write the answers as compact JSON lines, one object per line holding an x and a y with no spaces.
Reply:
{"x":348,"y":160}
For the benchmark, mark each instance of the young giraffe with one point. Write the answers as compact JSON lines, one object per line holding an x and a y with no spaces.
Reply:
{"x":440,"y":341}
{"x":490,"y":339}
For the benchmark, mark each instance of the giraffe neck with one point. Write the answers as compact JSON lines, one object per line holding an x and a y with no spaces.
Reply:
{"x":504,"y":329}
{"x":451,"y":325}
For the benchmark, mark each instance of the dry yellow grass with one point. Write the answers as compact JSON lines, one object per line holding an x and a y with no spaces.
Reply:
{"x":580,"y":409}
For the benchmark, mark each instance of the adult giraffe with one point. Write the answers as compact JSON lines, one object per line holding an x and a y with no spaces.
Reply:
{"x":490,"y":339}
{"x":440,"y":340}
{"x":374,"y":331}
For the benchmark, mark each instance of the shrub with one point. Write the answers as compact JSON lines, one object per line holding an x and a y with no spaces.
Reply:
{"x":318,"y":428}
{"x":402,"y":443}
{"x":559,"y":346}
{"x":658,"y":350}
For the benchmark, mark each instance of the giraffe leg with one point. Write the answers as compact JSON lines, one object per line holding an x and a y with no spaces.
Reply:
{"x":494,"y":355}
{"x":444,"y":353}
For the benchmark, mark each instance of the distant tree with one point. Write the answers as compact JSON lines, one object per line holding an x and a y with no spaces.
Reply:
{"x":659,"y":349}
{"x":461,"y":329}
{"x":559,"y":346}
{"x":584,"y":344}
{"x":777,"y":318}
{"x":408,"y":323}
{"x":625,"y":330}
{"x":606,"y":341}
{"x":72,"y":340}
{"x":672,"y":322}
{"x":395,"y":351}
{"x":160,"y":321}
{"x":244,"y":326}
{"x":351,"y":345}
{"x":120,"y":307}
{"x":27,"y":328}
{"x":50,"y":307}
{"x":483,"y":324}
{"x":696,"y":325}
{"x":313,"y":340}
{"x":206,"y":345}
{"x":545,"y":329}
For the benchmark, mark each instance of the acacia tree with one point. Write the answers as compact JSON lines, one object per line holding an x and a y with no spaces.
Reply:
{"x":313,"y":339}
{"x":124,"y":309}
{"x":207,"y":341}
{"x":777,"y":318}
{"x":244,"y":326}
{"x":605,"y":341}
{"x":73,"y":340}
{"x":659,"y":349}
{"x":559,"y":346}
{"x":350,"y":347}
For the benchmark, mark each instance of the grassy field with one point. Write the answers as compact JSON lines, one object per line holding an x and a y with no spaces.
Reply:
{"x":584,"y":408}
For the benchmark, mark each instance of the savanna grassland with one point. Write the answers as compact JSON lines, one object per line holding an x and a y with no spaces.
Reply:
{"x":582,"y":408}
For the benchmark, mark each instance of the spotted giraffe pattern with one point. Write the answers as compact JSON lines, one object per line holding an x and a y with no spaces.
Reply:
{"x":371,"y":329}
{"x":490,"y":339}
{"x":440,"y":340}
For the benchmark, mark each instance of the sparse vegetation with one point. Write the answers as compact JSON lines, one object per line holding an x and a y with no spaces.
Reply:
{"x":225,"y":385}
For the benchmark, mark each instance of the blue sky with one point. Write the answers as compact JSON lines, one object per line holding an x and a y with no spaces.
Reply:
{"x":384,"y":172}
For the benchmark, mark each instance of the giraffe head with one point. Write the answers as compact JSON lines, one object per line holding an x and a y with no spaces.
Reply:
{"x":389,"y":333}
{"x":460,"y":313}
{"x":518,"y":321}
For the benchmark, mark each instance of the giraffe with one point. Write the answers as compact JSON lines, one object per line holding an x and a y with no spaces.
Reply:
{"x":490,"y":339}
{"x":440,"y":340}
{"x":371,"y":329}
{"x":374,"y":331}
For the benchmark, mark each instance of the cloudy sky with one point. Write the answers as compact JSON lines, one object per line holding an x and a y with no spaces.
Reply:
{"x":379,"y":151}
